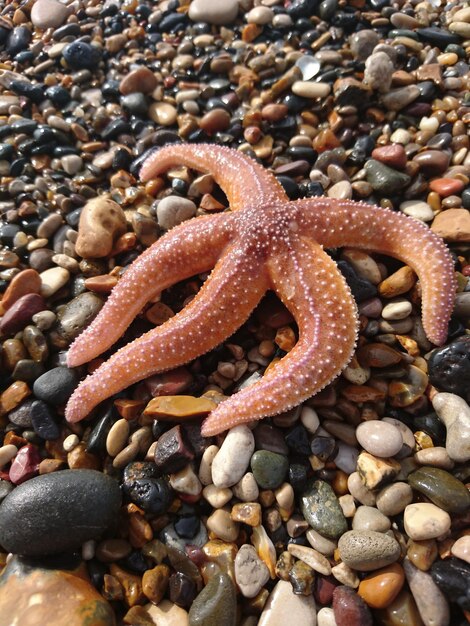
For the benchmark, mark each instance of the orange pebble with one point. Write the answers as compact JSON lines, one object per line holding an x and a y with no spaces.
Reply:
{"x":380,"y":588}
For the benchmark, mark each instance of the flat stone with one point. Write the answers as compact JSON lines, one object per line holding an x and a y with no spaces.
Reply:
{"x":443,"y":489}
{"x":167,"y":614}
{"x":283,"y":605}
{"x":222,"y":13}
{"x":367,"y":550}
{"x":430,"y":600}
{"x":370,"y":518}
{"x":141,"y":80}
{"x":173,"y":210}
{"x":398,"y":99}
{"x":44,"y":515}
{"x":30,"y":593}
{"x":56,"y":385}
{"x":424,"y":520}
{"x":321,"y":509}
{"x":49,"y":14}
{"x":251,"y":574}
{"x":384,"y":179}
{"x":173,"y":408}
{"x":269,"y":468}
{"x":27,"y":281}
{"x":452,"y":225}
{"x":349,"y":608}
{"x":379,"y":438}
{"x":233,"y":458}
{"x":20,"y":313}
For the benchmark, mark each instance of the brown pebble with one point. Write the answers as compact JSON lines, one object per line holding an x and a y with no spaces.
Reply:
{"x":380,"y":588}
{"x":215,"y":121}
{"x":397,"y":283}
{"x":393,"y":155}
{"x":131,"y":585}
{"x":20,"y":313}
{"x":101,"y":284}
{"x":102,"y":221}
{"x":452,"y":225}
{"x":422,"y":553}
{"x":27,"y":281}
{"x":432,"y":162}
{"x":12,"y":397}
{"x":402,"y":611}
{"x":446,"y":186}
{"x":141,"y":80}
{"x":349,"y":608}
{"x":79,"y":458}
{"x":378,"y":355}
{"x":155,"y":583}
{"x":274,"y":112}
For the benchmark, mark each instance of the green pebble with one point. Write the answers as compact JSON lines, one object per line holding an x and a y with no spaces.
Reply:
{"x":385,"y":180}
{"x":321,"y":509}
{"x":443,"y":489}
{"x":216,"y":605}
{"x":269,"y":468}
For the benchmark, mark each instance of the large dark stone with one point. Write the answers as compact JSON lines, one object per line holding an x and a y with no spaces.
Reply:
{"x":57,"y":512}
{"x":449,"y":367}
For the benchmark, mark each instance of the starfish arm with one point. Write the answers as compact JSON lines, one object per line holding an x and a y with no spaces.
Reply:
{"x":308,"y":282}
{"x":242,"y":179}
{"x":224,"y":302}
{"x":188,"y":249}
{"x":336,"y":223}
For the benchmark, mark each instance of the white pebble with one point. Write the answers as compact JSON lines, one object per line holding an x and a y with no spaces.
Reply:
{"x":233,"y":458}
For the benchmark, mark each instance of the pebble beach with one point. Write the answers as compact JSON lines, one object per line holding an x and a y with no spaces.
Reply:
{"x":352,"y":509}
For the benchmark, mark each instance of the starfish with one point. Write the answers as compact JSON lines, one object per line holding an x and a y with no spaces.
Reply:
{"x":266,"y":242}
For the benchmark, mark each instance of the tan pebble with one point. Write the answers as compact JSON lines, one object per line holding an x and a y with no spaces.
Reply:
{"x":126,"y":455}
{"x":217,"y":496}
{"x":102,"y":221}
{"x":141,"y":79}
{"x":347,"y":505}
{"x":7,"y":453}
{"x":178,"y":407}
{"x":392,"y":499}
{"x":52,"y":280}
{"x":247,"y":513}
{"x":370,"y":518}
{"x":117,"y":437}
{"x":379,"y":438}
{"x":367,"y":550}
{"x":247,"y":488}
{"x":461,"y":548}
{"x":359,"y":491}
{"x":70,"y":442}
{"x":260,"y":15}
{"x":186,"y":481}
{"x":216,"y":120}
{"x":436,"y":457}
{"x":430,"y":600}
{"x":364,"y":264}
{"x":397,"y":310}
{"x":167,"y":614}
{"x":424,"y":520}
{"x":27,"y":281}
{"x":345,"y":575}
{"x":80,"y":458}
{"x":283,"y":604}
{"x":341,"y":190}
{"x":316,"y":560}
{"x":285,"y":496}
{"x":222,"y":525}
{"x":205,"y":467}
{"x":155,"y":582}
{"x":375,"y":471}
{"x":162,"y":113}
{"x":452,"y":225}
{"x":307,"y":89}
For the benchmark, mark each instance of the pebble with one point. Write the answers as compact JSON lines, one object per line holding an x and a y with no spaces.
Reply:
{"x":102,"y":221}
{"x":367,"y":550}
{"x":173,"y":210}
{"x":349,"y":608}
{"x":424,"y":520}
{"x":52,"y":280}
{"x":251,"y":574}
{"x":269,"y":468}
{"x":436,"y":457}
{"x":369,"y":518}
{"x":141,"y":80}
{"x":455,"y":413}
{"x":222,"y":525}
{"x":216,"y":604}
{"x":77,"y":314}
{"x":233,"y":458}
{"x":321,"y":509}
{"x":379,"y":438}
{"x":220,"y":13}
{"x":20,"y":313}
{"x":282,"y":604}
{"x":49,"y":14}
{"x":461,"y":548}
{"x":384,"y":179}
{"x":378,"y":72}
{"x":443,"y":489}
{"x":449,"y":366}
{"x":45,"y":587}
{"x":311,"y":557}
{"x":375,"y":472}
{"x":167,"y":614}
{"x":418,"y":209}
{"x":451,"y":576}
{"x":307,"y":89}
{"x":56,"y":385}
{"x":44,"y":516}
{"x":431,"y":602}
{"x":392,"y":499}
{"x":380,"y":588}
{"x":452,"y":225}
{"x":23,"y":283}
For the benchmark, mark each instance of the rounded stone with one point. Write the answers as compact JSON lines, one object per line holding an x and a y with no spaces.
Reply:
{"x":173,"y":210}
{"x":424,"y":520}
{"x":57,"y":512}
{"x":379,"y":438}
{"x":231,"y":461}
{"x":102,"y":221}
{"x":367,"y":550}
{"x":449,"y":367}
{"x":349,"y":608}
{"x":213,"y":12}
{"x":370,"y":518}
{"x":56,"y":385}
{"x":216,"y":604}
{"x":48,"y":14}
{"x":380,"y":588}
{"x":321,"y":509}
{"x":443,"y":489}
{"x":251,"y":574}
{"x":452,"y":576}
{"x":269,"y":468}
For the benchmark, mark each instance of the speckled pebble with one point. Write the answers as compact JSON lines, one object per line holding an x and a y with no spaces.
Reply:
{"x":367,"y":550}
{"x":424,"y":520}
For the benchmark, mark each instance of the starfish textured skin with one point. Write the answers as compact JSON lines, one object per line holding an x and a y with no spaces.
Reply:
{"x":265,"y":242}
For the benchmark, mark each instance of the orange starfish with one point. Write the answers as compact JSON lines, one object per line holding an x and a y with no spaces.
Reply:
{"x":265,"y":242}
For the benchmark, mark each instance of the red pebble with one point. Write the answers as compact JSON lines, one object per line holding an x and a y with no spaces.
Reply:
{"x":169,"y":383}
{"x":393,"y":155}
{"x":25,"y":465}
{"x":324,"y":588}
{"x":446,"y":186}
{"x":21,"y":312}
{"x":350,"y":609}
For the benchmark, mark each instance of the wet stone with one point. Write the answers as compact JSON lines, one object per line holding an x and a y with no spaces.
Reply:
{"x":26,"y":583}
{"x":349,"y":608}
{"x":283,"y":604}
{"x":443,"y":489}
{"x":380,"y":588}
{"x":182,"y":589}
{"x":102,"y":221}
{"x":77,"y":314}
{"x":56,"y":385}
{"x":269,"y":468}
{"x":424,"y":520}
{"x":452,"y":576}
{"x":80,"y":55}
{"x":24,"y":466}
{"x":449,"y":367}
{"x":430,"y":600}
{"x":320,"y":507}
{"x":172,"y":452}
{"x":45,"y":516}
{"x":385,"y":180}
{"x":43,"y":421}
{"x":21,"y":312}
{"x":144,"y":488}
{"x":216,"y":604}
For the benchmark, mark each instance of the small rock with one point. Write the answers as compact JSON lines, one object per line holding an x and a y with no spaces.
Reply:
{"x":102,"y":221}
{"x":251,"y":574}
{"x":77,"y":314}
{"x":21,"y":312}
{"x":424,"y":520}
{"x":177,"y":408}
{"x":392,"y":499}
{"x":379,"y":438}
{"x":141,"y":80}
{"x":378,"y":72}
{"x":367,"y":550}
{"x":167,"y":614}
{"x":269,"y":468}
{"x":452,"y":225}
{"x":461,"y":548}
{"x":26,"y":282}
{"x":452,"y":576}
{"x":49,"y":14}
{"x":172,"y":451}
{"x":216,"y":604}
{"x":369,"y":518}
{"x":173,"y":210}
{"x":380,"y":588}
{"x":376,"y":472}
{"x":283,"y":604}
{"x":393,"y":155}
{"x":231,"y":462}
{"x":398,"y":99}
{"x":431,"y":602}
{"x":385,"y":180}
{"x":52,"y":280}
{"x":350,"y":609}
{"x":308,"y":89}
{"x":443,"y":489}
{"x":45,"y":516}
{"x":455,"y":413}
{"x":56,"y":385}
{"x":321,"y":509}
{"x":25,"y":465}
{"x":213,"y":13}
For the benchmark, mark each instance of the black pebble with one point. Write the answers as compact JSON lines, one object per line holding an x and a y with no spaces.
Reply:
{"x":361,"y":288}
{"x":452,"y":576}
{"x":187,"y":527}
{"x":449,"y":367}
{"x":56,"y":385}
{"x":80,"y":55}
{"x":43,"y":422}
{"x":18,"y":40}
{"x":57,"y":512}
